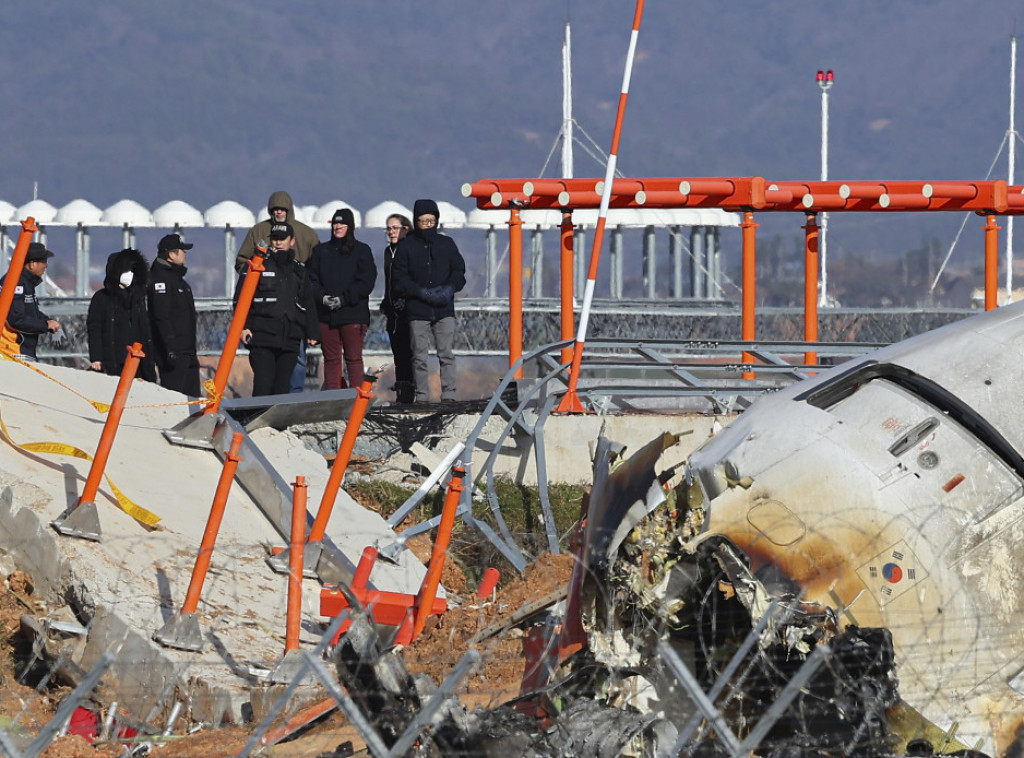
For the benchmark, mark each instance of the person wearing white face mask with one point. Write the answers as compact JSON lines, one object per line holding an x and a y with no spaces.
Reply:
{"x":118,"y":316}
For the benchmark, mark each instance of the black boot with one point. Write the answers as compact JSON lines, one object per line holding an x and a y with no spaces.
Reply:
{"x":405,"y":393}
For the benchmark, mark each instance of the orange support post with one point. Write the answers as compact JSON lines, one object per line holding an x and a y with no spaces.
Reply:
{"x":227,"y":355}
{"x":28,"y":228}
{"x":99,"y":461}
{"x":220,"y":499}
{"x":568,"y":321}
{"x":348,"y":443}
{"x":749,"y":227}
{"x":811,"y":286}
{"x":425,"y":601}
{"x":291,"y":639}
{"x":488,"y":583}
{"x":515,"y":288}
{"x":991,"y":261}
{"x":362,"y":576}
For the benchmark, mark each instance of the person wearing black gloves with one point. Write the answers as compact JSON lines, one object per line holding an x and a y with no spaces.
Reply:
{"x":393,"y":308}
{"x":118,"y":316}
{"x":25,"y":322}
{"x":343,"y":275}
{"x":172,"y":313}
{"x":283,"y":312}
{"x":427,"y":272}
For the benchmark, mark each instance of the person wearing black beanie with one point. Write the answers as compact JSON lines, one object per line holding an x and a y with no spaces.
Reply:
{"x":428,"y":270}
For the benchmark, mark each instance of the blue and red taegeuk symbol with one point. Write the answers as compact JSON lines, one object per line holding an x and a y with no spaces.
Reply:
{"x":892,"y":572}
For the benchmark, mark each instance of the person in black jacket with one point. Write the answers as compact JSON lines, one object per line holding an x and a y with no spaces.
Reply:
{"x":427,"y":272}
{"x":25,"y":322}
{"x":172,"y":313}
{"x":118,"y":316}
{"x":343,"y":275}
{"x":396,"y":228}
{"x":283,"y":313}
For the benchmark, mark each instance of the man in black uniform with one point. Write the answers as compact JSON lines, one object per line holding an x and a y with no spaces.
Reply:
{"x":172,"y":311}
{"x":25,"y":322}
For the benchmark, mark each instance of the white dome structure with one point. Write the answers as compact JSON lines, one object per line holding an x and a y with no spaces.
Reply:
{"x":229,"y":213}
{"x":452,"y":216}
{"x":127,"y":213}
{"x":262,"y":214}
{"x":377,"y":216}
{"x":78,"y":212}
{"x":481,"y":219}
{"x":177,"y":213}
{"x":7,"y":212}
{"x":323,"y":214}
{"x":40,"y":210}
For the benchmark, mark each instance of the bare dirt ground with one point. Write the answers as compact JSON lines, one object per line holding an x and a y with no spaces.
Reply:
{"x":25,"y":710}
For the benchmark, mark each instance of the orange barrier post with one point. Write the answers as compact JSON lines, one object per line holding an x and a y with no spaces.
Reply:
{"x":182,"y":631}
{"x":348,"y":443}
{"x":99,"y":461}
{"x":291,"y":640}
{"x":991,"y":262}
{"x":811,"y":286}
{"x":220,"y":499}
{"x":515,"y":288}
{"x":28,"y":228}
{"x":488,"y":583}
{"x":366,"y":563}
{"x":227,"y":355}
{"x":425,"y":601}
{"x":568,"y":321}
{"x":81,"y":521}
{"x":749,"y":227}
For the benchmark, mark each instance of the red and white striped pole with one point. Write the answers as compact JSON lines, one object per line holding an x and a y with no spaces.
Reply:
{"x":570,"y":402}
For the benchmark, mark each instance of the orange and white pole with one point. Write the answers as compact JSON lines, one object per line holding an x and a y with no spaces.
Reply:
{"x":811,"y":286}
{"x":515,"y":288}
{"x":567,"y":316}
{"x":570,"y":402}
{"x":298,"y":536}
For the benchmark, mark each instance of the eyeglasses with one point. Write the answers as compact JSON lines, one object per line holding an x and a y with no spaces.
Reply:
{"x":395,"y":228}
{"x":426,"y":222}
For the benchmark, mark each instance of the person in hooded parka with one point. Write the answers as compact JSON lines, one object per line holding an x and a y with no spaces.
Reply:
{"x":118,"y":316}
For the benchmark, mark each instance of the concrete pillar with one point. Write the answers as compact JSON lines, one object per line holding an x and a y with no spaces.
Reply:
{"x":579,"y":245}
{"x":616,"y":263}
{"x":698,"y":269}
{"x":5,"y":257}
{"x":128,"y":236}
{"x":536,"y":262}
{"x":675,"y":252}
{"x":229,"y":261}
{"x":650,"y":271}
{"x":491,"y":264}
{"x":713,"y":246}
{"x":81,"y":261}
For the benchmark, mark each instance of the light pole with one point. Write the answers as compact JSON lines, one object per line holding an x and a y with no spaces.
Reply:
{"x":825,"y":79}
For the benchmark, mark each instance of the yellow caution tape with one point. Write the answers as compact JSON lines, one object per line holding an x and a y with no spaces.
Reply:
{"x":101,"y":407}
{"x":137,"y":512}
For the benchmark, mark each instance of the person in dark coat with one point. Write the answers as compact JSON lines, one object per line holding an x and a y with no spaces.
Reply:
{"x":118,"y":316}
{"x":393,"y":308}
{"x":427,"y":272}
{"x":282,"y":314}
{"x":25,"y":321}
{"x":172,"y":313}
{"x":343,"y":275}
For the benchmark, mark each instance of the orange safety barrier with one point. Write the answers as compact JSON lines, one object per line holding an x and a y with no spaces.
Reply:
{"x":341,"y":460}
{"x":991,"y":262}
{"x":567,"y":319}
{"x":28,"y":228}
{"x":99,"y":461}
{"x":213,"y":522}
{"x":749,"y":227}
{"x":488,"y":583}
{"x":428,"y":592}
{"x":811,"y":285}
{"x":227,"y":355}
{"x":298,"y":540}
{"x":515,"y":289}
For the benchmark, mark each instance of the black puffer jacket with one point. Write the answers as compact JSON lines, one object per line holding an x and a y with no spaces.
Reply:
{"x":427,"y":264}
{"x":118,"y":316}
{"x":346,"y":271}
{"x":283,"y":311}
{"x":25,"y":317}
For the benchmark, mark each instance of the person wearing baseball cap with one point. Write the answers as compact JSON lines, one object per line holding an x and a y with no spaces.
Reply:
{"x":172,"y":313}
{"x":282,"y":315}
{"x":25,"y":321}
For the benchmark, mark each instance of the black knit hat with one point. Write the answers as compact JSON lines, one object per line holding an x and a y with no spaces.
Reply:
{"x":344,"y":216}
{"x":423,"y":207}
